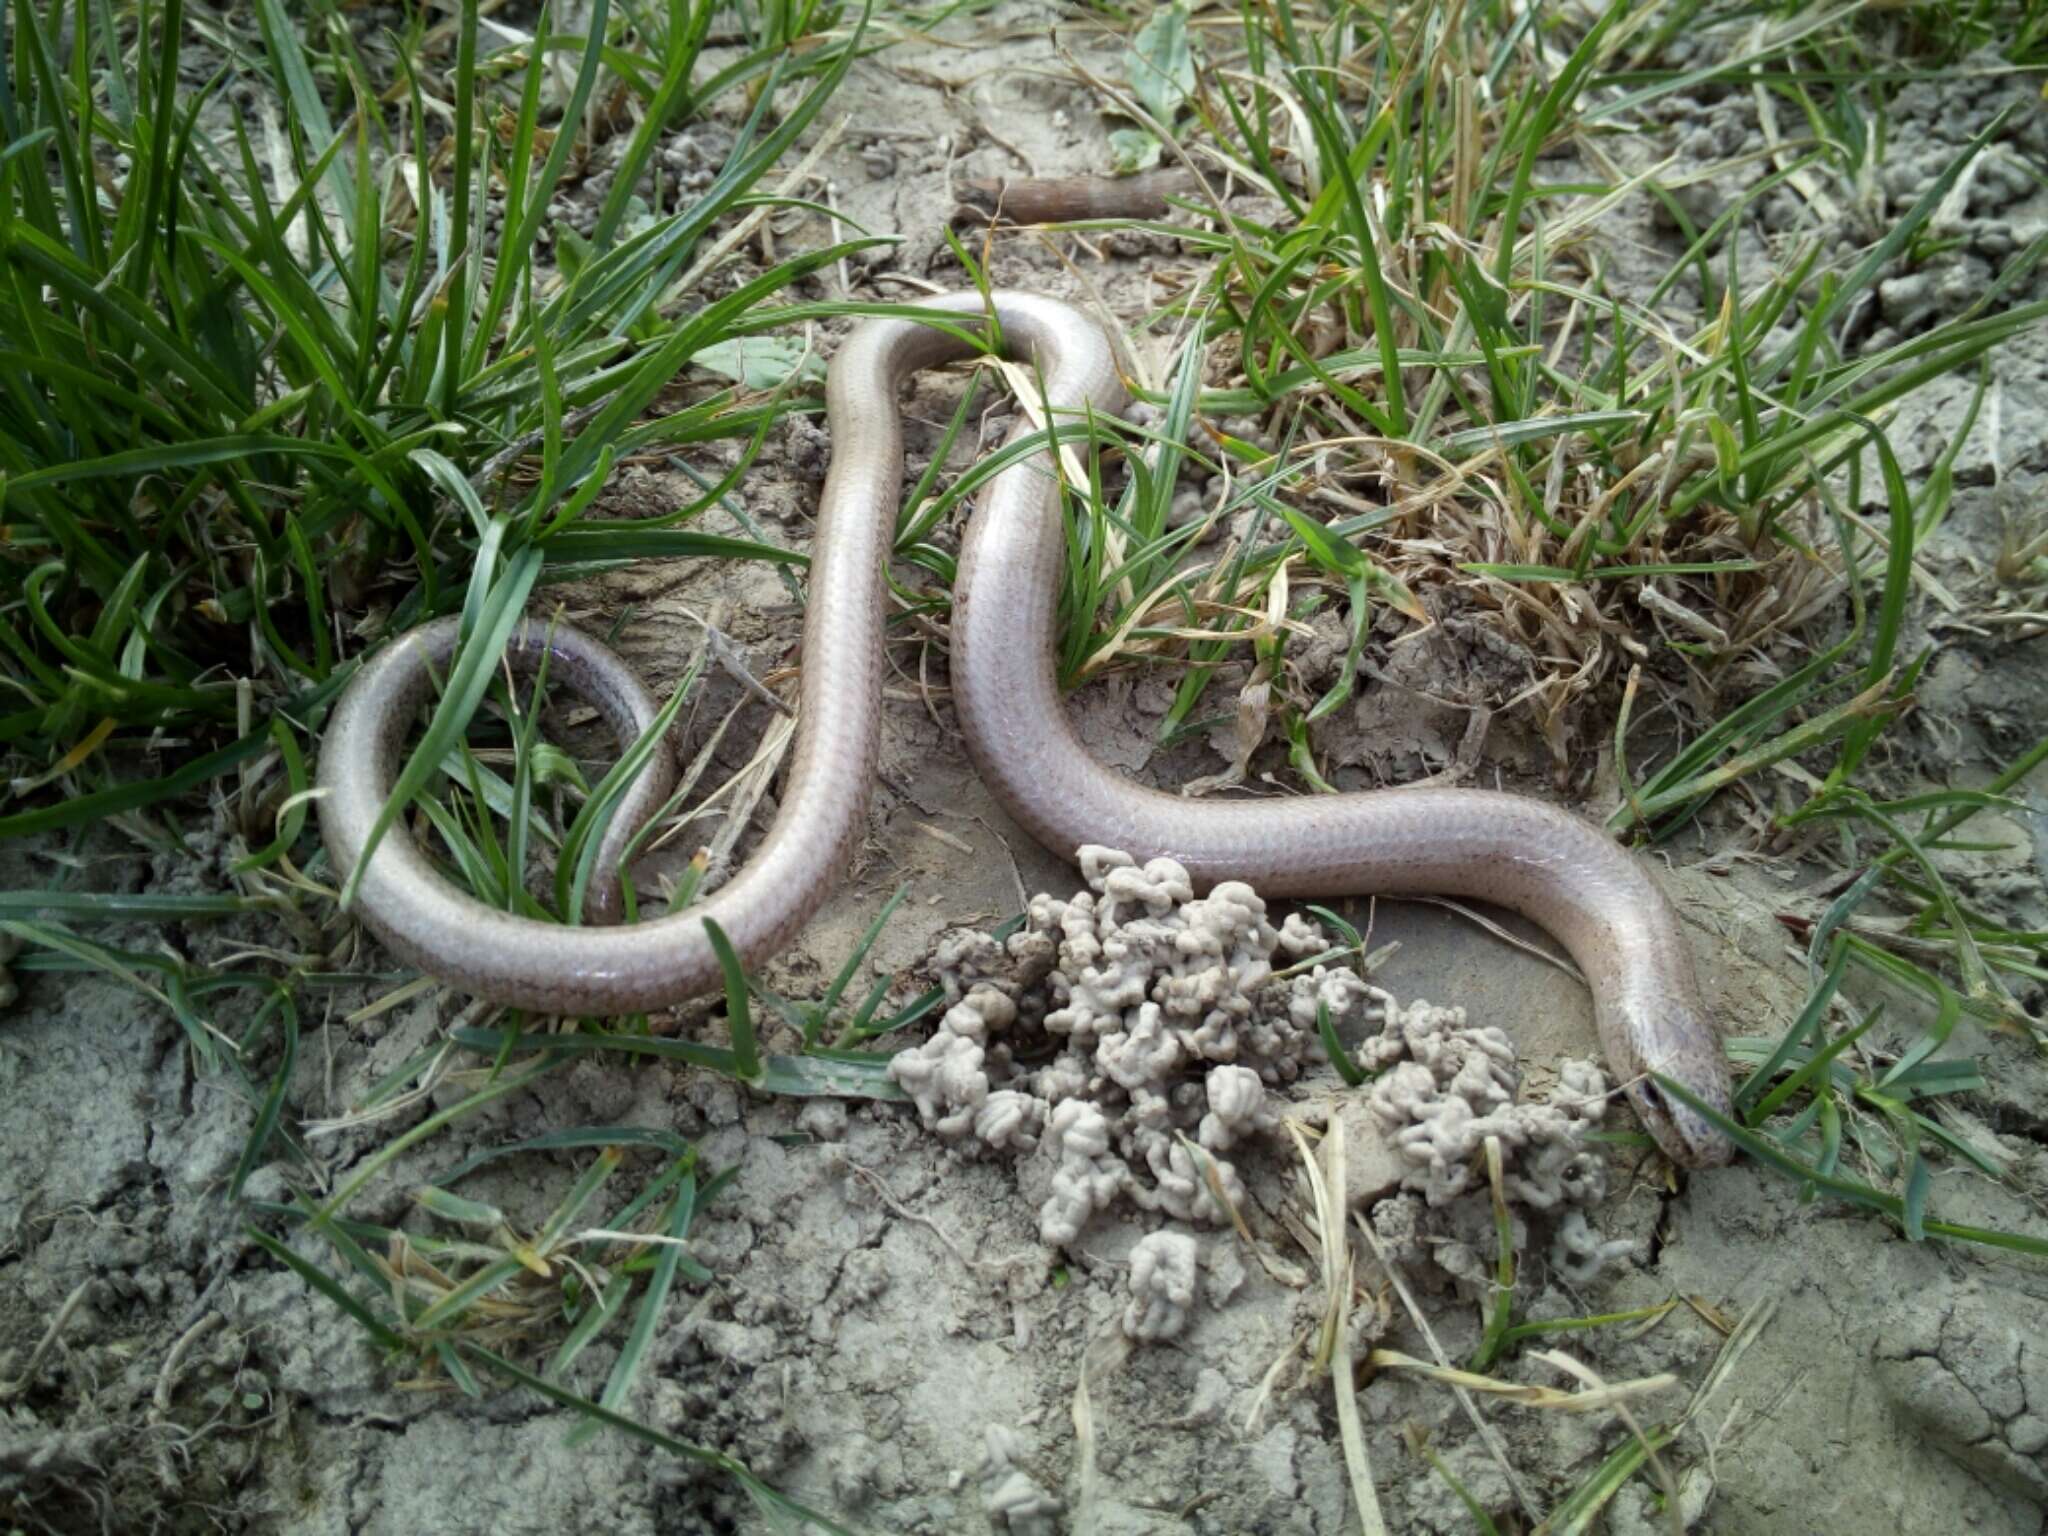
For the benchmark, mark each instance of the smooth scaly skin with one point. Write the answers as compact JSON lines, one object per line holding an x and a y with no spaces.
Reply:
{"x":1554,"y":868}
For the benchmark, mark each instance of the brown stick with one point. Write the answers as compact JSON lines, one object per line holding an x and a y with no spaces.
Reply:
{"x":1062,"y":199}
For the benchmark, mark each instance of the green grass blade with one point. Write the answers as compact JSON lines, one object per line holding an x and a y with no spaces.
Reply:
{"x":739,"y":1012}
{"x":468,"y":679}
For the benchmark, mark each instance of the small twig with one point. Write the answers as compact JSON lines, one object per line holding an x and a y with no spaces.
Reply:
{"x":941,"y":835}
{"x":1016,"y":874}
{"x":995,"y":1267}
{"x":1598,"y":1395}
{"x":499,"y":464}
{"x":405,"y":992}
{"x":1466,"y":759}
{"x":747,"y":787}
{"x":46,"y":1343}
{"x":1598,"y":1388}
{"x":1334,"y":1352}
{"x":1502,"y":934}
{"x":831,"y":200}
{"x":1106,"y":1352}
{"x":1746,"y":1333}
{"x":1488,"y":1435}
{"x":741,"y":232}
{"x":1131,"y":109}
{"x":167,"y":1378}
{"x":921,"y":284}
{"x":982,"y":118}
{"x":733,"y":662}
{"x":1648,"y":595}
{"x":430,"y":1080}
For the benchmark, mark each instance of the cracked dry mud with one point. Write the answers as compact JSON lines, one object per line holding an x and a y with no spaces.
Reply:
{"x":886,"y":1336}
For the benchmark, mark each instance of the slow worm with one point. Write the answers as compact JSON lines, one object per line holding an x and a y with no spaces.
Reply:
{"x":1549,"y":865}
